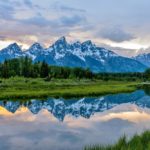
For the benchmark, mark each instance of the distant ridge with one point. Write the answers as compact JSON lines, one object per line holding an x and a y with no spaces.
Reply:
{"x":77,"y":54}
{"x":143,"y":58}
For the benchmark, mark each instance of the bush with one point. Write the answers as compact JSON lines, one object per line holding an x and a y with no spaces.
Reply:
{"x":135,"y":143}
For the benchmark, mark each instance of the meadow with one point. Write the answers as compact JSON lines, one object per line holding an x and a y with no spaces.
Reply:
{"x":24,"y":88}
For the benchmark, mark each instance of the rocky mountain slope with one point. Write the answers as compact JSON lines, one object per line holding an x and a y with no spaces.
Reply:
{"x":77,"y":54}
{"x":143,"y":58}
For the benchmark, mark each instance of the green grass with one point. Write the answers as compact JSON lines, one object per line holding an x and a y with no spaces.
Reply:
{"x":138,"y":142}
{"x":21,"y":88}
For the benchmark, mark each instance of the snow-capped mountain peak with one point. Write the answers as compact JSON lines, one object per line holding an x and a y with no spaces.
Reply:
{"x":77,"y":54}
{"x":35,"y":50}
{"x":59,"y":48}
{"x":75,"y":45}
{"x":12,"y":51}
{"x":36,"y":47}
{"x":143,"y":58}
{"x":61,"y":43}
{"x":61,"y":39}
{"x":88,"y":45}
{"x":12,"y":48}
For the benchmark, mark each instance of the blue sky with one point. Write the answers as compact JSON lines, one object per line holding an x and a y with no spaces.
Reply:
{"x":123,"y":26}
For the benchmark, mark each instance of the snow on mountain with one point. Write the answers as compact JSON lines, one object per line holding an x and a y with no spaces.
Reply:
{"x":143,"y":58}
{"x":59,"y":48}
{"x":34,"y":50}
{"x":12,"y":51}
{"x":87,"y":48}
{"x":77,"y":54}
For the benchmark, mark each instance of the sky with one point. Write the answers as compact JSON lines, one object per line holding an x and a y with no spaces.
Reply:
{"x":120,"y":25}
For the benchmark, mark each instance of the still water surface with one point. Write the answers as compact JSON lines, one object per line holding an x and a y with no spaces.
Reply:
{"x":58,"y":124}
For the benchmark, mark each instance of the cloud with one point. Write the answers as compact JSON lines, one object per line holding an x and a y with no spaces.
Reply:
{"x":60,"y":7}
{"x":20,"y":26}
{"x":37,"y":20}
{"x":21,"y":20}
{"x":73,"y":20}
{"x":116,"y":34}
{"x":3,"y":38}
{"x":15,"y":3}
{"x":6,"y":11}
{"x":120,"y":50}
{"x":143,"y":50}
{"x":28,"y":3}
{"x":66,"y":8}
{"x":60,"y":22}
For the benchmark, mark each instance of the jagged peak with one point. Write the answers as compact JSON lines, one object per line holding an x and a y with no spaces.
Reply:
{"x":36,"y":46}
{"x":88,"y":42}
{"x":61,"y":40}
{"x":142,"y":55}
{"x":12,"y":48}
{"x":15,"y":45}
{"x":60,"y":44}
{"x":77,"y":42}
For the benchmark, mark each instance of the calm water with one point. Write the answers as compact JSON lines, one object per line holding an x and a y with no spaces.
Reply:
{"x":56,"y":124}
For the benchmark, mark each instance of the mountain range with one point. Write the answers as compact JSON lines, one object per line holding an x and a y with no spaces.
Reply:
{"x":77,"y":54}
{"x":144,"y":59}
{"x":84,"y":107}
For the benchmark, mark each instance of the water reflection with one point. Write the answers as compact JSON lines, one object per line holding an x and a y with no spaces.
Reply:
{"x":85,"y":107}
{"x":62,"y":125}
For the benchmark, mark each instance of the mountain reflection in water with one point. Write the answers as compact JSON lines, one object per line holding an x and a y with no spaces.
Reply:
{"x":60,"y":124}
{"x":85,"y":107}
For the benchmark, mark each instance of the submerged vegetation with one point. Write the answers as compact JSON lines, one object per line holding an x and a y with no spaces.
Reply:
{"x":138,"y":142}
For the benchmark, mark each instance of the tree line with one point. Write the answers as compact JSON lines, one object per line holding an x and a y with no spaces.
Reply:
{"x":24,"y":67}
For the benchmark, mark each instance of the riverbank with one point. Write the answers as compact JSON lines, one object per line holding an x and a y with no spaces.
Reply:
{"x":138,"y":142}
{"x":23,"y":88}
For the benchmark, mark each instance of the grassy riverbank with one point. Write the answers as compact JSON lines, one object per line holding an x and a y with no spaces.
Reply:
{"x":23,"y":88}
{"x":141,"y":142}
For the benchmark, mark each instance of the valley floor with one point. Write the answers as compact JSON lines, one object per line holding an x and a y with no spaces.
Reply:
{"x":22,"y":88}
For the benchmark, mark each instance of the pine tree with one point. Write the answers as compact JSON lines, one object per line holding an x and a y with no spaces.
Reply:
{"x":44,"y":70}
{"x":5,"y":69}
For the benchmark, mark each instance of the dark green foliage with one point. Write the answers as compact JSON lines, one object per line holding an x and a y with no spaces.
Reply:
{"x":5,"y":72}
{"x":26,"y":68}
{"x":44,"y":70}
{"x":147,"y":74}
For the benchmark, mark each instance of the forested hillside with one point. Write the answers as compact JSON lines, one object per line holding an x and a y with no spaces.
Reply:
{"x":25,"y":67}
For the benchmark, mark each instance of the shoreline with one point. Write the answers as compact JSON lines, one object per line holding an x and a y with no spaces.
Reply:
{"x":23,"y":88}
